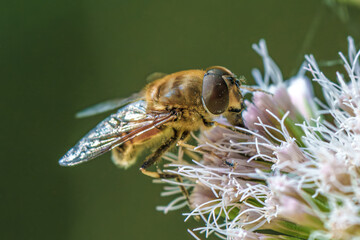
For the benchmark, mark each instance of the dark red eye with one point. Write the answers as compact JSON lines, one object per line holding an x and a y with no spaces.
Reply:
{"x":215,"y":92}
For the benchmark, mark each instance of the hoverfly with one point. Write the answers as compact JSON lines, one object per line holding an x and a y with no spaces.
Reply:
{"x":165,"y":112}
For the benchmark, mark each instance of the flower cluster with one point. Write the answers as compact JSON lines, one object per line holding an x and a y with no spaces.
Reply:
{"x":293,"y":170}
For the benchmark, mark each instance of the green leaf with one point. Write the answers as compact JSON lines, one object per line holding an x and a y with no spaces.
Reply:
{"x":291,"y":229}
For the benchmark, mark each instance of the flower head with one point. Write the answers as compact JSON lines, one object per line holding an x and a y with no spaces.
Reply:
{"x":288,"y":173}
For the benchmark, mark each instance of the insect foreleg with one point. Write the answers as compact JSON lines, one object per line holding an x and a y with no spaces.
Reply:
{"x":232,"y":128}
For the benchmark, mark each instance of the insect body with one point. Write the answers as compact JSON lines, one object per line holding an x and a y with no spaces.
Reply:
{"x":165,"y":112}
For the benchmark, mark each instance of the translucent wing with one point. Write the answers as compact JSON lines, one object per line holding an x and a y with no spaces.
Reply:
{"x":128,"y":123}
{"x":108,"y":105}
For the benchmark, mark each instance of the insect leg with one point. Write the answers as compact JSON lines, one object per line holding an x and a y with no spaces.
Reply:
{"x":184,"y":191}
{"x":232,"y":128}
{"x":182,"y":139}
{"x":157,"y":154}
{"x":192,"y":155}
{"x":184,"y":136}
{"x":163,"y":148}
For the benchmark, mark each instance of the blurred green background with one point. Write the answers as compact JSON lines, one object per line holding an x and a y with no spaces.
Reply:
{"x":60,"y":56}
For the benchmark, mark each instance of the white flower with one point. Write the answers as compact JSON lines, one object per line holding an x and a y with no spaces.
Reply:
{"x":302,"y":96}
{"x":294,"y":175}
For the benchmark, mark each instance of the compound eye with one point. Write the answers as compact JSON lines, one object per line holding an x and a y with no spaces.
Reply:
{"x":215,"y":92}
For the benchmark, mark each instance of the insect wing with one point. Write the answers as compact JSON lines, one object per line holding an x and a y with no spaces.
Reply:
{"x":108,"y":105}
{"x":129,"y":122}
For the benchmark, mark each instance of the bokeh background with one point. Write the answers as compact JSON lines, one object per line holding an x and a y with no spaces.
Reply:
{"x":57,"y":57}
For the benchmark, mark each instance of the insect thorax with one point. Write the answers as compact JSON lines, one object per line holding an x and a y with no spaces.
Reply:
{"x":180,"y":89}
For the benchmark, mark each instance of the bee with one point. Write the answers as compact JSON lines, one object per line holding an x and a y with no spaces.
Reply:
{"x":164,"y":113}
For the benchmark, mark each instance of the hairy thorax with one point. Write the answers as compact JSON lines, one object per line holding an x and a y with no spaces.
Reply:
{"x":179,"y":92}
{"x":181,"y":89}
